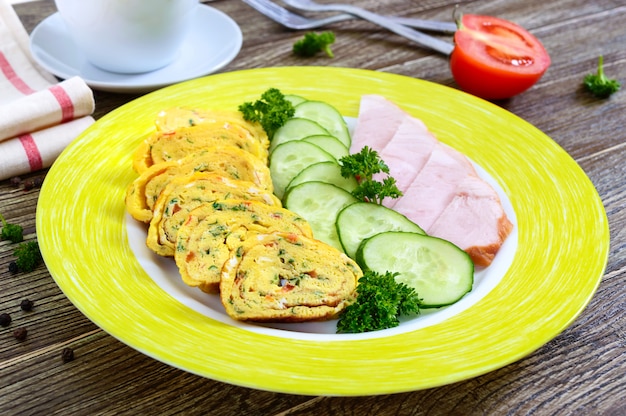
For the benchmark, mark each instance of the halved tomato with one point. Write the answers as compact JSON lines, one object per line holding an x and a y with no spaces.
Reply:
{"x":495,"y":59}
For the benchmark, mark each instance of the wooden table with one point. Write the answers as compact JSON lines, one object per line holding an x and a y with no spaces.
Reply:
{"x":581,"y":371}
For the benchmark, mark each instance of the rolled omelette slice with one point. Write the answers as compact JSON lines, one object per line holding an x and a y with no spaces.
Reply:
{"x":168,"y":145}
{"x":228,"y":161}
{"x":212,"y":230}
{"x":185,"y":193}
{"x":283,"y":277}
{"x":169,"y":120}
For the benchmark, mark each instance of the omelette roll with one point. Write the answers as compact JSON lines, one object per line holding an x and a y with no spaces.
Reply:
{"x":170,"y":120}
{"x":171,"y":145}
{"x":211,"y":231}
{"x":228,"y":161}
{"x":185,"y":193}
{"x":283,"y":277}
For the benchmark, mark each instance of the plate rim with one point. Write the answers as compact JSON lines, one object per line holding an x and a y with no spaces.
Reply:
{"x":455,"y":370}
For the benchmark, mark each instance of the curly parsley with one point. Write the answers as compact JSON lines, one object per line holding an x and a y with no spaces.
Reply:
{"x":272,"y":111}
{"x":363,"y":166}
{"x":598,"y":84}
{"x":379,"y":303}
{"x":12,"y":232}
{"x":28,"y":256}
{"x":312,"y":43}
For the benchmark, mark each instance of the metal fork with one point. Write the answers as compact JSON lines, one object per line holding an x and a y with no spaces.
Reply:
{"x":295,"y":21}
{"x":420,"y":38}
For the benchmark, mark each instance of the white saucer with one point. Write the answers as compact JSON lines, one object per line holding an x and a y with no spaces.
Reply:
{"x":213,"y":42}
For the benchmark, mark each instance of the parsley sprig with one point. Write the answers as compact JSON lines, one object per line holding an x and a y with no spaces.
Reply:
{"x":379,"y":303}
{"x":28,"y":256}
{"x":599,"y":84}
{"x":363,"y":166}
{"x":12,"y":232}
{"x":272,"y":111}
{"x":312,"y":43}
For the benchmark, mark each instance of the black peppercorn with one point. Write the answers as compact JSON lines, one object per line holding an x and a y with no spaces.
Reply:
{"x":29,"y":184}
{"x":67,"y":355}
{"x":16,"y":181}
{"x":5,"y":319}
{"x":26,"y":305}
{"x":20,"y":334}
{"x":13,"y":267}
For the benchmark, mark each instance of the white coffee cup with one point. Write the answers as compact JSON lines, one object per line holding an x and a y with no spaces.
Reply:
{"x":128,"y":36}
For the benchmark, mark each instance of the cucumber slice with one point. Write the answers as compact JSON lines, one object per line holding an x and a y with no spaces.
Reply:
{"x":362,"y":220}
{"x":288,"y":159}
{"x":319,"y":203}
{"x":295,"y":129}
{"x":295,"y":99}
{"x":440,"y":272}
{"x":327,"y":116}
{"x":329,"y":143}
{"x":329,"y":172}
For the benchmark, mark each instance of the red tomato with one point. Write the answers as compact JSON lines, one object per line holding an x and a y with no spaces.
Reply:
{"x":495,"y":59}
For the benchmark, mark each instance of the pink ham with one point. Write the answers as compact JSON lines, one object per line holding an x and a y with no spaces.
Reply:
{"x":442,"y":191}
{"x":434,"y":187}
{"x":402,"y":141}
{"x":377,"y":122}
{"x":474,"y":220}
{"x":407,"y":151}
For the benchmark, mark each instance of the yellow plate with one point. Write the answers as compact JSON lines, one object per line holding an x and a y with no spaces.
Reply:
{"x":81,"y":226}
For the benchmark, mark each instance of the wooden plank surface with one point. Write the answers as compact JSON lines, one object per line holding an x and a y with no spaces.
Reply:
{"x":580,"y":372}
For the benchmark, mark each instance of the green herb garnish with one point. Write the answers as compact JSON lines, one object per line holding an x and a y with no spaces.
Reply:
{"x":12,"y":232}
{"x":363,"y":166}
{"x":272,"y":111}
{"x":380,"y":301}
{"x":313,"y":43}
{"x":28,"y":256}
{"x":599,"y":84}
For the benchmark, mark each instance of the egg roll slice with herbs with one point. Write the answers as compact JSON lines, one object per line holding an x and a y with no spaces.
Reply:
{"x":185,"y":193}
{"x":283,"y":277}
{"x":165,"y":146}
{"x":173,"y":118}
{"x":211,"y":231}
{"x":228,"y":161}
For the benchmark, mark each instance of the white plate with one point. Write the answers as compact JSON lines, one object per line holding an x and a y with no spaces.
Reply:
{"x":213,"y":42}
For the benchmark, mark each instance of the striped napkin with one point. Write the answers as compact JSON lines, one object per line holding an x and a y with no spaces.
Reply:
{"x":39,"y":116}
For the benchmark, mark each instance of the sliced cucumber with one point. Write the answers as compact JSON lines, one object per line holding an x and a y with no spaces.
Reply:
{"x":329,"y":172}
{"x":325,"y":115}
{"x":319,"y":203}
{"x":296,"y":129}
{"x":440,"y":272}
{"x":329,"y":143}
{"x":362,"y":220}
{"x":295,"y":99}
{"x":288,"y":159}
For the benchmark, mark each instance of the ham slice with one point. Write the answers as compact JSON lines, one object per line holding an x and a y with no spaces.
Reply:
{"x":434,"y":187}
{"x":443,"y":194}
{"x":377,"y":122}
{"x":402,"y":141}
{"x":474,"y":220}
{"x":407,"y":152}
